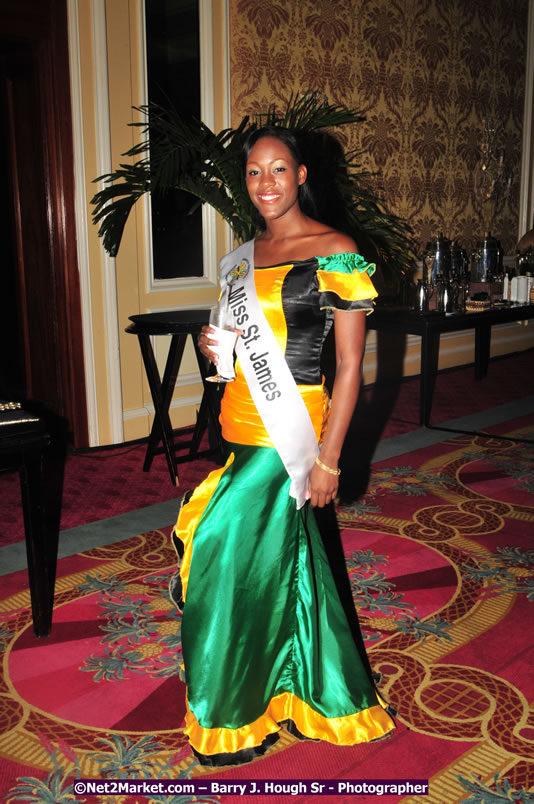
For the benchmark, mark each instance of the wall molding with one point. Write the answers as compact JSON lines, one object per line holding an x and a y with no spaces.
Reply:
{"x":414,"y":340}
{"x":82,"y":223}
{"x":207,"y":114}
{"x":104,"y":165}
{"x":229,"y":237}
{"x":182,"y":402}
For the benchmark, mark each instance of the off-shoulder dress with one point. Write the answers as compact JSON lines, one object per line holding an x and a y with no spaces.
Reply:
{"x":266,"y":643}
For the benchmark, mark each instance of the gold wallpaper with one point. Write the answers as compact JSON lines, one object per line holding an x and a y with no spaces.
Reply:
{"x":426,"y":74}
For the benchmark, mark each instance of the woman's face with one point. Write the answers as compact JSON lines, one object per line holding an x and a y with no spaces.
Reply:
{"x":273,"y":178}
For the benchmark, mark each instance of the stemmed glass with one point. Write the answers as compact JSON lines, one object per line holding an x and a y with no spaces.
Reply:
{"x":222,"y":321}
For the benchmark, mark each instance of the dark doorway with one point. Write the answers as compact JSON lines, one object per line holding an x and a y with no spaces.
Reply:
{"x":12,"y":379}
{"x":173,"y":77}
{"x":41,"y":353}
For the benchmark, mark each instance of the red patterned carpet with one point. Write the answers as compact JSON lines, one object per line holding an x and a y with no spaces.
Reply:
{"x":441,"y":566}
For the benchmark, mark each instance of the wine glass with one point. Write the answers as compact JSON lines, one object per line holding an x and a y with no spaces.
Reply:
{"x":222,"y":321}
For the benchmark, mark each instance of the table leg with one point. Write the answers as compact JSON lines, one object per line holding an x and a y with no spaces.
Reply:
{"x":161,"y":392}
{"x":429,"y":367}
{"x":40,"y":572}
{"x":208,"y":410}
{"x":482,"y":350}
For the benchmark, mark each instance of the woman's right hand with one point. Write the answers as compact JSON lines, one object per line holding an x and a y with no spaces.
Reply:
{"x":206,"y":342}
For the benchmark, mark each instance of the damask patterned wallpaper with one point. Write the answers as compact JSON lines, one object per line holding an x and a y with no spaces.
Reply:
{"x":426,"y":74}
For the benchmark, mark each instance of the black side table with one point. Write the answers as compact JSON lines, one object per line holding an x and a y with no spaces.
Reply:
{"x":179,"y":324}
{"x":34,"y":445}
{"x":431,"y":325}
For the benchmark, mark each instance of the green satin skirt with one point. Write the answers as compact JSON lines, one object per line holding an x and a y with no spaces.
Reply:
{"x":264,"y":636}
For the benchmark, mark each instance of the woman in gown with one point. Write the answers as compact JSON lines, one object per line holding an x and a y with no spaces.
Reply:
{"x":265,"y":639}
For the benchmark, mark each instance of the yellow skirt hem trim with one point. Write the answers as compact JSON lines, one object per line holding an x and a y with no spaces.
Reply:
{"x":369,"y":724}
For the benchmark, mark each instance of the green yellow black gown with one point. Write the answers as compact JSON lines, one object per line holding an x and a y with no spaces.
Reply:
{"x":265,"y":639}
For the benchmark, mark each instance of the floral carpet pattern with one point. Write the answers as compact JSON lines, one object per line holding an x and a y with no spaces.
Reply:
{"x":440,"y":561}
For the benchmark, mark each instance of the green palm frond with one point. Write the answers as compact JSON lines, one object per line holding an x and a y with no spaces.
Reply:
{"x":309,"y":112}
{"x":113,"y":204}
{"x":184,"y":154}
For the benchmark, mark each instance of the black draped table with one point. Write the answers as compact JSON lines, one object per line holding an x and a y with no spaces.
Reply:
{"x":429,"y":327}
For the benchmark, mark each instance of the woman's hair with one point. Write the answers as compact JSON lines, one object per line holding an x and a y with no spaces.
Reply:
{"x":319,"y":197}
{"x":285,"y":135}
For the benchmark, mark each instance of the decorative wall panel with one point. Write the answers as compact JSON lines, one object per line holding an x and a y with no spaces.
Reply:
{"x":426,"y":74}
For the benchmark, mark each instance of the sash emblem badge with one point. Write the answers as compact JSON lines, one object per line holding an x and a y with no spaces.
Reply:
{"x":239,"y":271}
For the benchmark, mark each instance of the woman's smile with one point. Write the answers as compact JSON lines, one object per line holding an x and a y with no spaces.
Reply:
{"x":268,"y":198}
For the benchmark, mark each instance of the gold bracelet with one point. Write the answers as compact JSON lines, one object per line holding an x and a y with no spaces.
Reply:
{"x":326,"y":468}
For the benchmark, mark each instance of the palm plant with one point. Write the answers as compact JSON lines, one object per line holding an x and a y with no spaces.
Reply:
{"x":184,"y":154}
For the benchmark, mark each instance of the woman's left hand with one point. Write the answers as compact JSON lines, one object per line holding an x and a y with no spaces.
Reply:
{"x":322,"y":485}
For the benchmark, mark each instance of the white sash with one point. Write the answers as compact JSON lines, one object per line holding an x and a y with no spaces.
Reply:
{"x":268,"y":377}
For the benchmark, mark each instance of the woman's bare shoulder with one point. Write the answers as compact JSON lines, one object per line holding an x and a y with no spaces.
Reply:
{"x":333,"y":242}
